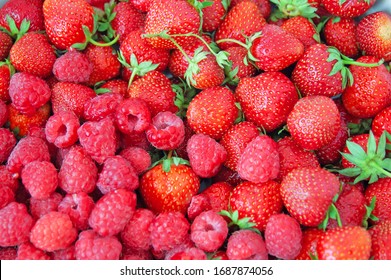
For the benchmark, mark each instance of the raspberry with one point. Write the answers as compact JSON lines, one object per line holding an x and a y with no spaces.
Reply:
{"x":61,"y":129}
{"x":130,"y":254}
{"x":98,"y":139}
{"x":189,"y":254}
{"x":28,"y":149}
{"x":209,"y":231}
{"x":91,"y":246}
{"x":219,"y":194}
{"x":135,"y":140}
{"x":136,"y":232}
{"x":283,"y":236}
{"x":78,"y":172}
{"x":7,"y":179}
{"x":7,"y":143}
{"x":40,"y":207}
{"x":186,"y":244}
{"x":198,"y":204}
{"x":117,"y":173}
{"x":8,"y":253}
{"x":40,"y":179}
{"x":138,"y":158}
{"x":102,"y":106}
{"x":116,"y":86}
{"x":78,"y":206}
{"x":166,"y":132}
{"x":260,"y":161}
{"x":6,"y":196}
{"x":112,"y":212}
{"x":206,"y":155}
{"x":15,"y":224}
{"x":168,"y":230}
{"x":28,"y":251}
{"x":53,"y":231}
{"x":64,"y":254}
{"x":3,"y":113}
{"x":246,"y":245}
{"x":132,"y":115}
{"x":28,"y":92}
{"x":73,"y":66}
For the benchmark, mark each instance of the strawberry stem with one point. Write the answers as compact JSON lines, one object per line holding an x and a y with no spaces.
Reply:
{"x":229,"y":40}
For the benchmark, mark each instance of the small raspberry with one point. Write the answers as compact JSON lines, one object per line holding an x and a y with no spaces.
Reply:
{"x":189,"y":254}
{"x":112,"y":212}
{"x":283,"y":236}
{"x":102,"y":106}
{"x":198,"y":204}
{"x":117,"y":173}
{"x":28,"y":92}
{"x":7,"y":179}
{"x":219,"y":194}
{"x":132,"y":115}
{"x":78,"y":172}
{"x":78,"y":206}
{"x":73,"y":66}
{"x":259,"y":161}
{"x":246,"y":245}
{"x":8,"y":253}
{"x":28,"y":149}
{"x":40,"y":207}
{"x":64,"y":254}
{"x":7,"y":144}
{"x":206,"y":155}
{"x":6,"y":196}
{"x":136,"y":232}
{"x":98,"y":139}
{"x":138,"y":158}
{"x":61,"y":129}
{"x":168,"y":230}
{"x":91,"y":246}
{"x":3,"y":113}
{"x":209,"y":231}
{"x":40,"y":178}
{"x":53,"y":231}
{"x":28,"y":251}
{"x":15,"y":224}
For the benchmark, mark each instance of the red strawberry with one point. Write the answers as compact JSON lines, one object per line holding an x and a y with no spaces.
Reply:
{"x":5,"y":77}
{"x":5,"y":45}
{"x":264,"y":6}
{"x":19,"y":10}
{"x":142,"y":5}
{"x":237,"y":56}
{"x":116,"y":86}
{"x":308,"y":243}
{"x":381,"y":240}
{"x":382,"y":122}
{"x":347,"y":8}
{"x":303,"y":29}
{"x":212,"y":15}
{"x":382,"y":192}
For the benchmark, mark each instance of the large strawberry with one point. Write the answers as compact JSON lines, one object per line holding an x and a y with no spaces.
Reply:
{"x":23,"y":10}
{"x":264,"y":6}
{"x":348,"y":8}
{"x":303,"y":29}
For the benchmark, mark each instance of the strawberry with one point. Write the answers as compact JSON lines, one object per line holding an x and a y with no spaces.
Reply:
{"x":142,"y":5}
{"x":308,"y":193}
{"x":23,"y":10}
{"x":6,"y":70}
{"x":238,"y":67}
{"x":381,"y":240}
{"x":267,"y":99}
{"x":303,"y":29}
{"x":382,"y":122}
{"x":308,"y":243}
{"x":169,"y":187}
{"x":345,"y":243}
{"x":264,"y":6}
{"x":372,"y":37}
{"x":212,"y":15}
{"x":116,"y":86}
{"x":347,"y":8}
{"x":381,"y":191}
{"x":5,"y":45}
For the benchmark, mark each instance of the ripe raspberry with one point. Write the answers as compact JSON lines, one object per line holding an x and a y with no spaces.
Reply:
{"x":112,"y":212}
{"x":102,"y":106}
{"x":219,"y":194}
{"x":73,"y":66}
{"x":116,"y":86}
{"x":283,"y":236}
{"x":7,"y":143}
{"x":6,"y":196}
{"x":130,"y":254}
{"x":98,"y":139}
{"x":78,"y":206}
{"x":40,"y":178}
{"x":189,"y":254}
{"x":206,"y":155}
{"x":136,"y":233}
{"x":246,"y":245}
{"x":40,"y":207}
{"x":28,"y":251}
{"x":8,"y":253}
{"x":135,"y":140}
{"x":209,"y":231}
{"x":117,"y":173}
{"x":15,"y":224}
{"x":61,"y":129}
{"x":259,"y":161}
{"x":3,"y":113}
{"x":198,"y":204}
{"x":186,"y":244}
{"x":28,"y":149}
{"x":138,"y":158}
{"x":7,"y":179}
{"x":78,"y":172}
{"x":64,"y":254}
{"x":28,"y":92}
{"x":132,"y":115}
{"x":168,"y":230}
{"x":91,"y":246}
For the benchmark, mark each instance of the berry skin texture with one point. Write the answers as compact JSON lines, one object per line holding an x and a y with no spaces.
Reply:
{"x":40,"y":179}
{"x":28,"y":251}
{"x":61,"y":129}
{"x":283,"y":237}
{"x":3,"y":113}
{"x":218,"y":195}
{"x":73,"y":66}
{"x":381,"y":122}
{"x":41,"y":207}
{"x":7,"y":195}
{"x":381,"y":189}
{"x":28,"y":92}
{"x":112,"y":212}
{"x":7,"y":180}
{"x":132,"y":115}
{"x":166,"y":131}
{"x":259,"y":161}
{"x":189,"y":254}
{"x":309,"y":242}
{"x":169,"y":230}
{"x":381,"y":240}
{"x":91,"y":246}
{"x":15,"y":224}
{"x":138,"y":158}
{"x":7,"y":144}
{"x":209,"y":231}
{"x":53,"y":231}
{"x":198,"y":204}
{"x":314,"y":122}
{"x":206,"y":155}
{"x":246,"y":245}
{"x":5,"y":45}
{"x":102,"y":106}
{"x":98,"y":139}
{"x":8,"y":253}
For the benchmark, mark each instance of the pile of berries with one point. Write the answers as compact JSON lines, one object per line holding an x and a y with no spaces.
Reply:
{"x":200,"y":129}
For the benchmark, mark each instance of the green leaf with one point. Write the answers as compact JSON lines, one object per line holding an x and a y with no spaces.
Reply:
{"x":351,"y":158}
{"x":350,"y":172}
{"x":336,"y":68}
{"x":371,"y":145}
{"x":166,"y":165}
{"x":336,"y":20}
{"x":226,"y":4}
{"x":356,"y":150}
{"x":381,"y":146}
{"x":341,"y":2}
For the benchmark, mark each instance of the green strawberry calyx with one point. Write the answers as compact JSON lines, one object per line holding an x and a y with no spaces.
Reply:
{"x":168,"y":160}
{"x":243,"y":223}
{"x":104,"y":22}
{"x":199,"y":6}
{"x":292,"y":8}
{"x":15,"y":32}
{"x":184,"y":94}
{"x":332,"y":213}
{"x":368,"y":215}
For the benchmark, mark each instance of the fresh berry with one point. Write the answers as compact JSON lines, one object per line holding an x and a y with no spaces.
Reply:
{"x":5,"y":45}
{"x":382,"y":192}
{"x":8,"y":253}
{"x":198,"y":204}
{"x":40,"y":179}
{"x":382,"y":122}
{"x":347,"y":8}
{"x":381,"y":240}
{"x":116,"y":86}
{"x":64,"y":254}
{"x":7,"y":195}
{"x":246,"y":245}
{"x":23,"y":10}
{"x":7,"y":144}
{"x":303,"y":29}
{"x":61,"y":129}
{"x":138,"y":158}
{"x":132,"y":115}
{"x":73,"y":66}
{"x":189,"y":254}
{"x":7,"y":179}
{"x":27,"y":251}
{"x":41,"y":207}
{"x":5,"y":77}
{"x":308,"y":243}
{"x":102,"y":106}
{"x":218,"y":195}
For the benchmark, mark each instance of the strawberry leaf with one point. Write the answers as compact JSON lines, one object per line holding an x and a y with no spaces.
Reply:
{"x":293,"y":8}
{"x":226,"y":4}
{"x":368,"y":215}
